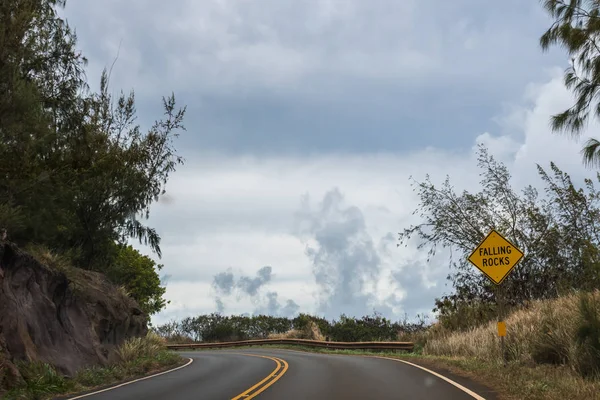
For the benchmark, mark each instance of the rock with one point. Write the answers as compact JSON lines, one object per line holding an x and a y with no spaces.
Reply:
{"x":9,"y":374}
{"x":69,"y":319}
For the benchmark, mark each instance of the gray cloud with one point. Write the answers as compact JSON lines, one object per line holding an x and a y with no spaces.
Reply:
{"x":224,"y":282}
{"x":274,"y":307}
{"x":272,"y":303}
{"x":220,"y":305}
{"x":290,"y":309}
{"x":165,"y":279}
{"x":250,"y":286}
{"x":345,"y":259}
{"x":419,"y":296}
{"x":358,"y":77}
{"x":229,"y":62}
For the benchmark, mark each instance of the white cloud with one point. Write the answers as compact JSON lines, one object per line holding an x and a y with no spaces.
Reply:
{"x":241,"y":212}
{"x":307,"y":46}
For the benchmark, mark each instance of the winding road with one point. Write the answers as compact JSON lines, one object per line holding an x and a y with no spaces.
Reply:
{"x":269,"y":374}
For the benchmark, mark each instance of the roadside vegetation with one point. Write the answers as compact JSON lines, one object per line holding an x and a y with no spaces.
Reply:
{"x":222,"y":328}
{"x":552,"y":298}
{"x":77,"y":178}
{"x":135,"y":358}
{"x":78,"y":173}
{"x":552,"y":347}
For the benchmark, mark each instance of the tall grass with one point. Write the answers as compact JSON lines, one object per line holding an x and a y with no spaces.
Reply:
{"x":141,"y":347}
{"x":136,"y":356}
{"x":565,"y":331}
{"x":310,"y":331}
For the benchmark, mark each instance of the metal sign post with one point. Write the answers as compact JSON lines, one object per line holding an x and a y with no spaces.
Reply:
{"x":496,"y":257}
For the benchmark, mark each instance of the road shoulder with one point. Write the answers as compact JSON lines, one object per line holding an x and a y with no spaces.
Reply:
{"x":457,"y":375}
{"x":113,"y":385}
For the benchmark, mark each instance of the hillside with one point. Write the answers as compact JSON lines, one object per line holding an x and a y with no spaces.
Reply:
{"x":66,"y":317}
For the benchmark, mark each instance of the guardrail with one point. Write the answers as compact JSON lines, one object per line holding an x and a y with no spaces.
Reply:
{"x":407,"y":346}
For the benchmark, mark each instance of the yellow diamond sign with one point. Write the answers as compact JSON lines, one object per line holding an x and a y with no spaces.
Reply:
{"x":495,"y":257}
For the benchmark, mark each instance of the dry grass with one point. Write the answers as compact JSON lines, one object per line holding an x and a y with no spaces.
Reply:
{"x":138,"y":357}
{"x":46,"y":257}
{"x":81,"y":281}
{"x":520,"y":382}
{"x":311,"y":331}
{"x":546,"y":333}
{"x":137,"y":347}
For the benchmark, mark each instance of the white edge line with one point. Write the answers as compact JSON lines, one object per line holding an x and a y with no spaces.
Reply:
{"x":450,"y":381}
{"x":134,"y":381}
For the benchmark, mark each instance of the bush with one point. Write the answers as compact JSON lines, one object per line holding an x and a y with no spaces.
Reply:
{"x":588,"y":335}
{"x":39,"y":380}
{"x":458,"y":315}
{"x":309,"y":331}
{"x":138,"y":274}
{"x":563,"y":331}
{"x":141,"y":347}
{"x":137,"y":356}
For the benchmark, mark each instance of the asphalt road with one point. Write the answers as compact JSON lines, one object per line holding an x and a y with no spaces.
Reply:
{"x":269,"y":374}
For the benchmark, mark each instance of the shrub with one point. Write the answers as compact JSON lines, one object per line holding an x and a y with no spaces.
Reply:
{"x":39,"y":379}
{"x":310,"y":331}
{"x":563,"y":331}
{"x":141,"y":347}
{"x":588,"y":335}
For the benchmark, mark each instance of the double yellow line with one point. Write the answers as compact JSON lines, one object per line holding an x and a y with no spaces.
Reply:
{"x":280,"y":369}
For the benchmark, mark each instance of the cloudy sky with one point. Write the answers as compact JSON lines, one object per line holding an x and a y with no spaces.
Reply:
{"x":305,"y":120}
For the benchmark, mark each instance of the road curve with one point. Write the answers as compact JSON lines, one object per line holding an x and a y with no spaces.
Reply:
{"x":274,"y":374}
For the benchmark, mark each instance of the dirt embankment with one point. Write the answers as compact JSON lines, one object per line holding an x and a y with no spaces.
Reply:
{"x":67,"y":318}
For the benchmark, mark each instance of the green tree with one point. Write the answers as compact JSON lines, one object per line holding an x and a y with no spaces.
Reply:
{"x":576,"y":27}
{"x":34,"y":45}
{"x":559,"y":234}
{"x":139,"y":275}
{"x":77,"y":172}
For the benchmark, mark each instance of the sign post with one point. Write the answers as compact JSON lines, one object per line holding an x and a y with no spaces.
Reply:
{"x":496,"y":257}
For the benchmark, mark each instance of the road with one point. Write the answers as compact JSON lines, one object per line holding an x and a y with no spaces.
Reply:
{"x":269,"y":374}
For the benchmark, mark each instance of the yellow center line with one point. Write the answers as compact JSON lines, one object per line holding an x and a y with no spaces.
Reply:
{"x":262,"y":389}
{"x":267,"y":381}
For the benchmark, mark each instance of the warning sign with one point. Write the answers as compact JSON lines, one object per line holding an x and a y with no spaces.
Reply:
{"x":496,"y":257}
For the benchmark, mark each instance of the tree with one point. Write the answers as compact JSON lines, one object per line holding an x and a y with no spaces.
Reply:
{"x":576,"y":27}
{"x":77,"y":174}
{"x":559,"y":234}
{"x":139,"y":275}
{"x":119,"y":172}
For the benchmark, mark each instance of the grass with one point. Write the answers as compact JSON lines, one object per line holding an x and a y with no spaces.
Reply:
{"x":311,"y":331}
{"x":136,"y":357}
{"x":562,"y":332}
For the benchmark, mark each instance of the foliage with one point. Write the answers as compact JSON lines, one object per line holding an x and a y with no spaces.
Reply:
{"x":76,"y":170}
{"x":367,"y":328}
{"x":138,"y":356}
{"x":146,"y":347}
{"x":138,"y":274}
{"x":563,"y":331}
{"x":558,"y":232}
{"x":588,"y":335}
{"x":40,"y":379}
{"x":576,"y":27}
{"x":217,"y":328}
